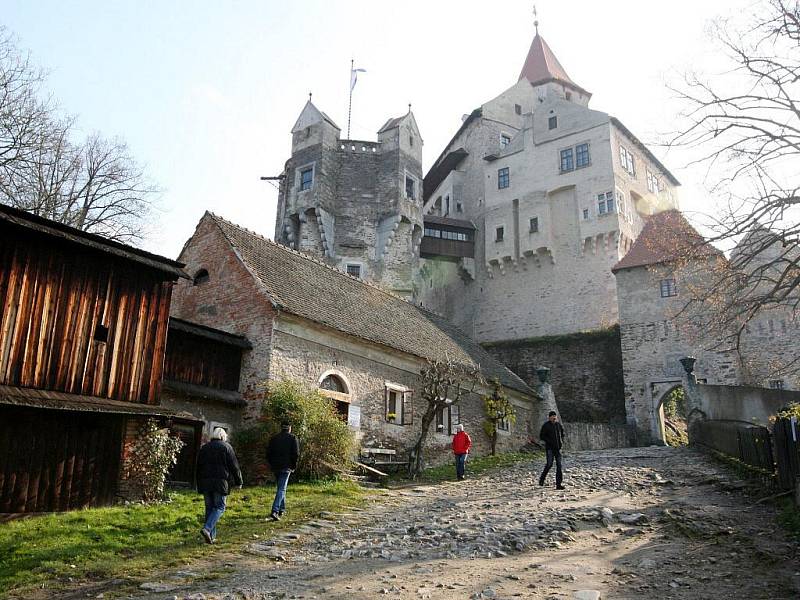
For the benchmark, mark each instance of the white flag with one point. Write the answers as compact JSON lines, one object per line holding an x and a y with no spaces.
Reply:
{"x":354,"y":77}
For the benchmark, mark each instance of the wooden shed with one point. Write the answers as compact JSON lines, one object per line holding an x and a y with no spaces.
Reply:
{"x":83,"y":326}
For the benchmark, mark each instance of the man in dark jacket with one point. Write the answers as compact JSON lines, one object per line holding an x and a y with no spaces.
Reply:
{"x":552,"y":434}
{"x":282,"y":454}
{"x":217,"y":471}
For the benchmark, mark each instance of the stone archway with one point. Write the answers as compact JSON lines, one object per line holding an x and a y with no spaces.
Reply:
{"x":334,"y":385}
{"x":670,"y":421}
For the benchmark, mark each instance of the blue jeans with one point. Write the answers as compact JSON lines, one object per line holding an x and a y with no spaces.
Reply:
{"x":282,"y":480}
{"x":461,"y":460}
{"x":215,"y":506}
{"x":552,"y":454}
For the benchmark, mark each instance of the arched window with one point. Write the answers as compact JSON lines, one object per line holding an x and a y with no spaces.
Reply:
{"x":333,"y":384}
{"x":201,"y":277}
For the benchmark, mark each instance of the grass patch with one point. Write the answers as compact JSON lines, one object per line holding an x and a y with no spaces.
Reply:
{"x":129,"y":541}
{"x":475,"y":466}
{"x":789,"y":517}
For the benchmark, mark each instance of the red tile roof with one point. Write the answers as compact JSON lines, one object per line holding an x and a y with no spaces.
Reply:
{"x":666,"y":236}
{"x":541,"y":66}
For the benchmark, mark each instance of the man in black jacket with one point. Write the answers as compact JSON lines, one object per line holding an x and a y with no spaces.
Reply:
{"x":552,"y":434}
{"x":217,"y":471}
{"x":282,"y":454}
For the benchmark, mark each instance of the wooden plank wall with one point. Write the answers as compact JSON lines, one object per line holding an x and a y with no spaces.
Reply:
{"x":53,"y":297}
{"x":54,"y":461}
{"x":194,"y":359}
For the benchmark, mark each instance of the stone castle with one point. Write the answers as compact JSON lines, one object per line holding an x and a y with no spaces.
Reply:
{"x":512,"y":235}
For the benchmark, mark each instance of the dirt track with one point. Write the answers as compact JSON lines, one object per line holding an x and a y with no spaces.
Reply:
{"x":676,"y":525}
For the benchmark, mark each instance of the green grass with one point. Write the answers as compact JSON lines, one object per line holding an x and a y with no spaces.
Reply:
{"x":130,"y":541}
{"x":789,"y":518}
{"x":475,"y":466}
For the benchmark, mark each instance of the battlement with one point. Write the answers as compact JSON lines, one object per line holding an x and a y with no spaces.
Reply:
{"x":359,"y":146}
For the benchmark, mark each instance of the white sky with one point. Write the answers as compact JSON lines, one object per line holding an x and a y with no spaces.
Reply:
{"x":205,"y":93}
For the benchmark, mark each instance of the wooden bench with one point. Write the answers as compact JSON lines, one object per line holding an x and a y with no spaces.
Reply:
{"x":384,"y":458}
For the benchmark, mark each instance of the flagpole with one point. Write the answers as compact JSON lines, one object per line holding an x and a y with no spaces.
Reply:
{"x":350,"y":102}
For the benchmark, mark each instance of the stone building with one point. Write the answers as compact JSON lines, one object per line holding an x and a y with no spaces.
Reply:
{"x":310,"y":322}
{"x":669,"y":267}
{"x":355,"y":204}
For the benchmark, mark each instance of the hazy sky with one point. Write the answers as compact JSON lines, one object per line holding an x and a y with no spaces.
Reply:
{"x":205,"y":93}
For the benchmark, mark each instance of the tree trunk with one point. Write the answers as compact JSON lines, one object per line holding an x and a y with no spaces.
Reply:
{"x":415,"y":464}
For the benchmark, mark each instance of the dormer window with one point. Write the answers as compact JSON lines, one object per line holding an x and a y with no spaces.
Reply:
{"x":306,"y":179}
{"x":201,"y":277}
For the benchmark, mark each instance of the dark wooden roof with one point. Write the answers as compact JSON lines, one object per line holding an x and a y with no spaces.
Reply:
{"x":203,"y":392}
{"x":26,"y":220}
{"x":666,"y":236}
{"x":441,"y":170}
{"x":306,"y":287}
{"x":34,"y":398}
{"x":209,"y":333}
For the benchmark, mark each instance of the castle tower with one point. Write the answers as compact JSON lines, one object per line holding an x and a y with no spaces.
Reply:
{"x":354,"y":203}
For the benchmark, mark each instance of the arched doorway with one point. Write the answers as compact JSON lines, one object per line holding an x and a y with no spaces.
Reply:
{"x":333,"y":385}
{"x":672,"y":414}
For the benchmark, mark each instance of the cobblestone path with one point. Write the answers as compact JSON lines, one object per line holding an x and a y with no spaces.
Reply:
{"x":633,"y":523}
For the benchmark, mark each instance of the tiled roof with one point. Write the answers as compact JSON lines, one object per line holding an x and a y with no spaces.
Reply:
{"x":306,"y":287}
{"x":391,"y":124}
{"x":665,"y":237}
{"x":541,"y":65}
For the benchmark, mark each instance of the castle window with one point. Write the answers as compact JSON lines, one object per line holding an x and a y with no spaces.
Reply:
{"x":626,"y":160}
{"x":447,"y":418}
{"x":567,"y":161}
{"x":354,"y":270}
{"x":499,"y":233}
{"x":459,"y":207}
{"x":605,"y":203}
{"x":534,"y":224}
{"x":447,"y":205}
{"x":581,"y":155}
{"x":552,"y":122}
{"x":411,"y":141}
{"x":668,"y":288}
{"x":200,"y":277}
{"x":777,"y":384}
{"x":306,"y":179}
{"x":398,"y":406}
{"x":652,"y":182}
{"x":518,"y":109}
{"x":505,"y":140}
{"x":411,"y":188}
{"x":568,"y":95}
{"x":585,"y":213}
{"x":502,"y":178}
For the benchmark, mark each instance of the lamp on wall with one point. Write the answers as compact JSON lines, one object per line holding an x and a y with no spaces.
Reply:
{"x":688,"y":364}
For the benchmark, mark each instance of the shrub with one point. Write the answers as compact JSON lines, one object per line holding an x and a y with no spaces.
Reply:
{"x":150,"y":457}
{"x":326,"y":442}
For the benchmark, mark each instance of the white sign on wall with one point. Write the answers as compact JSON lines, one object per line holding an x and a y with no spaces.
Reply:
{"x":354,"y":416}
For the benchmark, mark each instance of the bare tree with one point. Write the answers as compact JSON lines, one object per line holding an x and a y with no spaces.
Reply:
{"x":95,"y":185}
{"x":444,"y":383}
{"x":744,"y":127}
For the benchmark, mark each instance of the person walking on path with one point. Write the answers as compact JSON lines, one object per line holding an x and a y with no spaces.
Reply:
{"x":552,"y":434}
{"x":217,"y":471}
{"x":282,"y":454}
{"x":461,"y":445}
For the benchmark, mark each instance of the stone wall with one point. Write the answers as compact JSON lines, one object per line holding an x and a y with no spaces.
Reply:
{"x":213,"y":412}
{"x":306,"y":354}
{"x":595,"y":436}
{"x":741,"y":403}
{"x":586,"y":371}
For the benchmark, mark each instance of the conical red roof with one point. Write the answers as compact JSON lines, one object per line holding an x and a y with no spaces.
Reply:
{"x":542,"y":65}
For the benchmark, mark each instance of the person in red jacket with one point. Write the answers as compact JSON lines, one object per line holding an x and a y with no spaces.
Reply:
{"x":461,"y":445}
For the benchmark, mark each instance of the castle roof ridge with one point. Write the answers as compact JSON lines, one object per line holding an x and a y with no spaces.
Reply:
{"x":310,"y":258}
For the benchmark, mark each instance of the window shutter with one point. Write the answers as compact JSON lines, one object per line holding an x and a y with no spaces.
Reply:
{"x":408,"y":409}
{"x":385,"y":402}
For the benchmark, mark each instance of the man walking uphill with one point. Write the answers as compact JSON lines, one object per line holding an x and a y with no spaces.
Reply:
{"x":552,"y":434}
{"x":217,"y":471}
{"x":461,"y":445}
{"x":282,"y":455}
